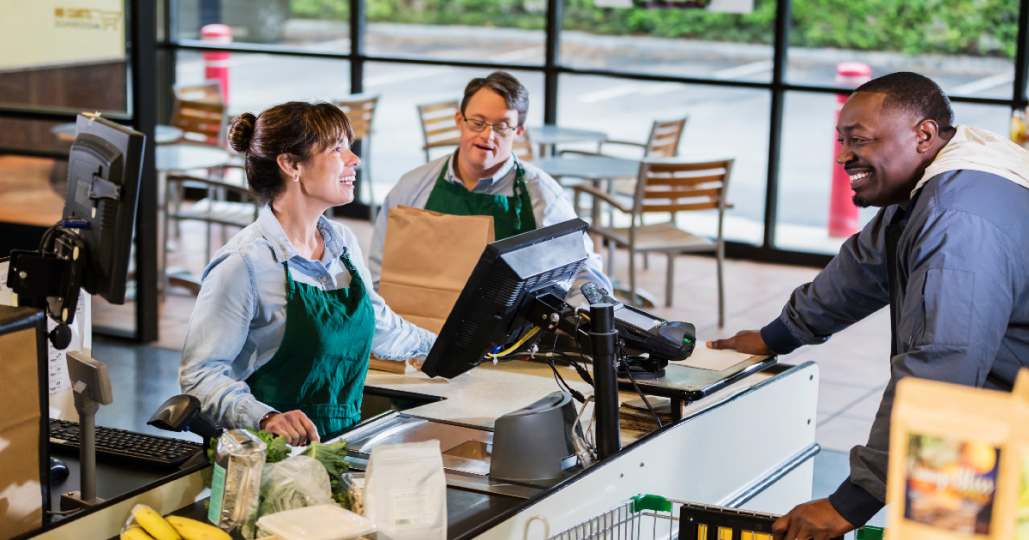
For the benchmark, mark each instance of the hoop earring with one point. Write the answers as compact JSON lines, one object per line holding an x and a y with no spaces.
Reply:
{"x":296,"y":178}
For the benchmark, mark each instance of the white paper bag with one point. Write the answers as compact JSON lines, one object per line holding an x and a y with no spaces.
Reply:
{"x":405,"y":492}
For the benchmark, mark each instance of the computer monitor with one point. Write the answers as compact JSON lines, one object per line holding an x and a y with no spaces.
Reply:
{"x":104,"y":169}
{"x":90,"y":247}
{"x":511,"y":278}
{"x":520,"y":283}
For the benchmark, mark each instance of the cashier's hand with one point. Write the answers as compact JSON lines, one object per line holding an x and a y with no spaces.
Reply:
{"x":747,"y":341}
{"x":294,"y":426}
{"x":816,"y":520}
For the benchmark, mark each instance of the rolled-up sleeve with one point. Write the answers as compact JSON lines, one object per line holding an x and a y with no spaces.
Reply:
{"x":854,"y":285}
{"x":964,"y":277}
{"x":218,"y":331}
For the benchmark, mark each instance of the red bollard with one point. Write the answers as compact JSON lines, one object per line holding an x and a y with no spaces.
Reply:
{"x":216,"y":64}
{"x":843,"y":214}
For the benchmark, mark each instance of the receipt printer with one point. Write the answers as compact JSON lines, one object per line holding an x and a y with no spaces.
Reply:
{"x":534,"y":443}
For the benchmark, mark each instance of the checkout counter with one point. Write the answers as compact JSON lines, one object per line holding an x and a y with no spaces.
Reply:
{"x":748,"y":445}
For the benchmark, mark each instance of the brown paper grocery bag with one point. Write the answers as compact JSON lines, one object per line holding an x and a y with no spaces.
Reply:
{"x":426,"y":261}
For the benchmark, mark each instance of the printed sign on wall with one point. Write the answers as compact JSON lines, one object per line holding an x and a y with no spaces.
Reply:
{"x":60,"y":32}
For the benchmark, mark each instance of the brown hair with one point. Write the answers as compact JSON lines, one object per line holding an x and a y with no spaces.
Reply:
{"x":297,"y":129}
{"x":506,"y":86}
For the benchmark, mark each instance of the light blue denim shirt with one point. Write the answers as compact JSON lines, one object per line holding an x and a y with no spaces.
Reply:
{"x":550,"y":206}
{"x":240,"y":315}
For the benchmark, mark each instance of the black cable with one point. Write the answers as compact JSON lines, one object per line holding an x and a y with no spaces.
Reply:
{"x":640,"y":392}
{"x":564,"y":385}
{"x":584,"y":373}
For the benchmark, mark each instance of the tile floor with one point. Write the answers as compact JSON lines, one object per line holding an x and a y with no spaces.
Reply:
{"x":854,"y":365}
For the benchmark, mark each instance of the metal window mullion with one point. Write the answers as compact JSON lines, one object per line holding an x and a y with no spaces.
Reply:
{"x":551,"y":66}
{"x":782,"y":43}
{"x":143,"y":80}
{"x":1019,"y":99}
{"x":358,"y":26}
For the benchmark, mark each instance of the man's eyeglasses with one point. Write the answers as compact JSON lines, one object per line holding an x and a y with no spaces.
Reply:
{"x":478,"y":125}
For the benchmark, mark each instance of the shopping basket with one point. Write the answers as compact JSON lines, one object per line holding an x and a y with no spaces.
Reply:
{"x":650,"y":517}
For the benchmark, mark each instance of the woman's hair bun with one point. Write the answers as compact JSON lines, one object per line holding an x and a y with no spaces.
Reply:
{"x":241,"y":132}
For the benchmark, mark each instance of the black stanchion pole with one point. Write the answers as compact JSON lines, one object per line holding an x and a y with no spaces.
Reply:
{"x":605,"y":346}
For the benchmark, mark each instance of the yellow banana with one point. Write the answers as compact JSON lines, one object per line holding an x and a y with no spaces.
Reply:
{"x":191,"y":529}
{"x":154,"y":524}
{"x":135,"y":532}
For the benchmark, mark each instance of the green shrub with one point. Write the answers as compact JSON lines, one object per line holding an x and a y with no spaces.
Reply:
{"x":971,"y":27}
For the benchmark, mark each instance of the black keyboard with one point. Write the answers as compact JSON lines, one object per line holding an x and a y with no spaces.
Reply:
{"x":122,"y":444}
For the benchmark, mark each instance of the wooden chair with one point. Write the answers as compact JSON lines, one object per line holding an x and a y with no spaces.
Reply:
{"x":361,"y":112}
{"x":663,"y":140}
{"x":201,"y":122}
{"x":522,"y":147}
{"x":209,"y":91}
{"x":667,"y":185}
{"x":438,"y":125}
{"x":213,"y":209}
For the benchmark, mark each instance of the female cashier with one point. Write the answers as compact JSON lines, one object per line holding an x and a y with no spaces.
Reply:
{"x":286,"y":317}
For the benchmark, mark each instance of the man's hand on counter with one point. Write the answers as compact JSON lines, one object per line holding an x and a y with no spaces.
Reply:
{"x":746,"y":341}
{"x":816,"y":520}
{"x":293,"y":425}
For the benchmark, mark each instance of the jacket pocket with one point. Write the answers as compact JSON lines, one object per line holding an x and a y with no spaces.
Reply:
{"x":947,"y":303}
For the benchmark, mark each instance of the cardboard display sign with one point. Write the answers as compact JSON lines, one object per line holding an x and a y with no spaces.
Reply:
{"x":959,"y":462}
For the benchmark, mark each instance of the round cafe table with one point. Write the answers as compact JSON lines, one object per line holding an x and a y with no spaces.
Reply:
{"x":548,"y":136}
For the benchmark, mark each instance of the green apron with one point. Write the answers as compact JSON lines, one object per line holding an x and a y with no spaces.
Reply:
{"x":321,"y":365}
{"x":511,"y":215}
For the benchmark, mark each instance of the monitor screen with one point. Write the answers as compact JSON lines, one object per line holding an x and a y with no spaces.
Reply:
{"x":493,"y":307}
{"x":104,"y":168}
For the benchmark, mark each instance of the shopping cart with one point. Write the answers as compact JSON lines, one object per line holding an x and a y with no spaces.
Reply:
{"x":643,"y":517}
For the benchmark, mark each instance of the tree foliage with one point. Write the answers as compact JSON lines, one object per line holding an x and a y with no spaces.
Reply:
{"x":967,"y":27}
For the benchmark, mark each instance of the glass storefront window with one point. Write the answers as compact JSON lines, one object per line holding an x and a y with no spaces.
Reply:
{"x":966,"y":47}
{"x":682,"y":42}
{"x":258,"y":81}
{"x":504,"y":31}
{"x":722,"y":121}
{"x":314,"y":24}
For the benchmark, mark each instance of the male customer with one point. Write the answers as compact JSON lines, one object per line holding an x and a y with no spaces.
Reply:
{"x":483,"y":177}
{"x":947,"y":252}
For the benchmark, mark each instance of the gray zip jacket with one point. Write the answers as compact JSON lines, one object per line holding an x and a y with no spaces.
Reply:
{"x":960,"y":305}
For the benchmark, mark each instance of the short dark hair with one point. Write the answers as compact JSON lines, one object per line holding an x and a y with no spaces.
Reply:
{"x":913,"y":93}
{"x":506,"y":86}
{"x":297,"y":129}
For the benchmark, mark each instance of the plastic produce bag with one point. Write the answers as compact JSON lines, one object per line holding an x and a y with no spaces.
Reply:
{"x":353,"y":486}
{"x":405,"y":491}
{"x":236,"y":483}
{"x":296,"y":482}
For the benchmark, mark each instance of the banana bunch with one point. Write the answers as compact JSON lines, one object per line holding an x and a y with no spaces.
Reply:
{"x":146,"y":524}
